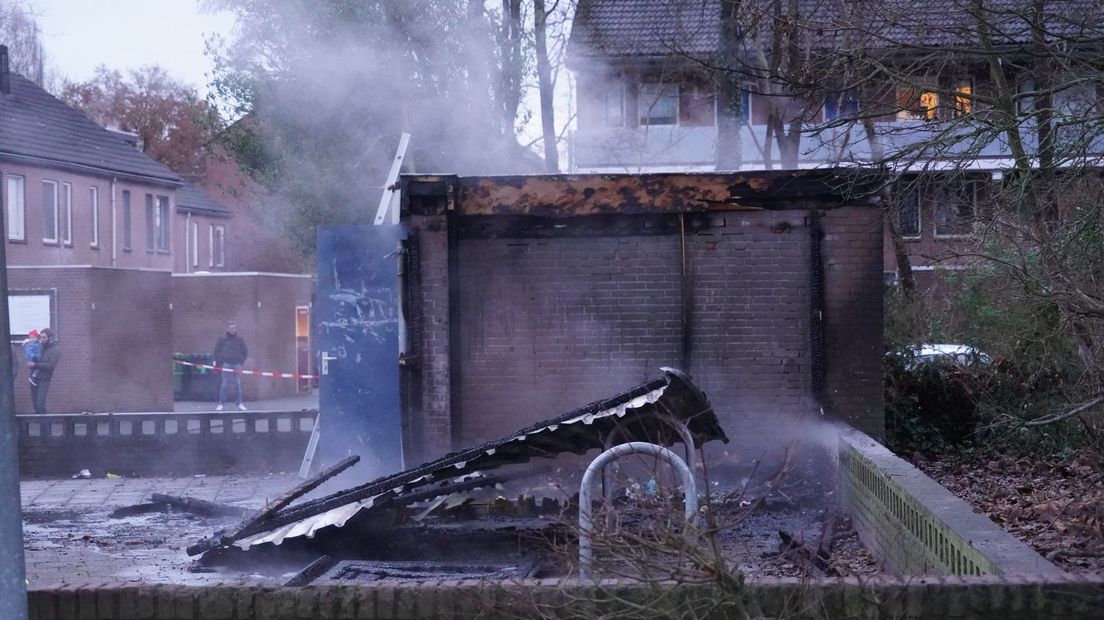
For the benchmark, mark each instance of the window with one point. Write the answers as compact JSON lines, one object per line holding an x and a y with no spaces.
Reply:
{"x":697,"y":105}
{"x":953,"y":205}
{"x":17,"y":224}
{"x":613,"y":106}
{"x":964,"y":99}
{"x":908,"y":213}
{"x":195,"y":243}
{"x":917,"y":104}
{"x":157,"y":223}
{"x":49,"y":212}
{"x":658,"y":104}
{"x":126,"y":220}
{"x":1025,"y":98}
{"x":841,"y":105}
{"x":65,"y":214}
{"x":94,"y":206}
{"x":218,"y":246}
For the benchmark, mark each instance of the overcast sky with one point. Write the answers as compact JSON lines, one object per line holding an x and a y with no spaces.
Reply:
{"x":127,"y":34}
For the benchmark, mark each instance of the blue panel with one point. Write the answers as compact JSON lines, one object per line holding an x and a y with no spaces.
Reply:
{"x":357,"y":317}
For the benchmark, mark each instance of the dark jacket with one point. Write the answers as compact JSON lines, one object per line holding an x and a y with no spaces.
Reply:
{"x":51,"y":355}
{"x":230,"y":350}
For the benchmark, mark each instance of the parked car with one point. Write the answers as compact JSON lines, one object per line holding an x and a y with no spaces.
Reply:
{"x":957,"y":353}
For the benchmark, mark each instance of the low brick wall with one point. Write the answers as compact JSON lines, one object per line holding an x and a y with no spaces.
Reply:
{"x":163,"y":444}
{"x":959,"y":598}
{"x":917,"y":527}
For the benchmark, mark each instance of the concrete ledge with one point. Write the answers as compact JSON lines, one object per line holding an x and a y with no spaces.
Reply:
{"x":163,"y":444}
{"x":909,"y":599}
{"x":917,"y":527}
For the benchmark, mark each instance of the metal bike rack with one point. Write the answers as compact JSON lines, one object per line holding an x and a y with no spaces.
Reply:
{"x":596,"y":468}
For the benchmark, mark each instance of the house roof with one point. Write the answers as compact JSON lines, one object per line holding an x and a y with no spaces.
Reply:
{"x":193,"y":199}
{"x":36,"y":127}
{"x":651,"y":28}
{"x":645,"y":27}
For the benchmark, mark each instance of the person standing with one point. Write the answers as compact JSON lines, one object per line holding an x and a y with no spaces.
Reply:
{"x":230,"y":354}
{"x":42,"y":370}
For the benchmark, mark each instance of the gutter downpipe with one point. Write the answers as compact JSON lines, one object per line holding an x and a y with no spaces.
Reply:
{"x":114,"y":224}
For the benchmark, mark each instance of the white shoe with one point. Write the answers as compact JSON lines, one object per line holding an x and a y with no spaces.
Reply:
{"x":219,"y":408}
{"x":241,"y":407}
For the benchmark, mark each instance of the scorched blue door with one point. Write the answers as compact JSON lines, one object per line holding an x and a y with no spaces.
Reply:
{"x":357,"y":316}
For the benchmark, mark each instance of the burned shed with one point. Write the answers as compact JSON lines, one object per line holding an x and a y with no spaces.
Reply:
{"x":525,"y":294}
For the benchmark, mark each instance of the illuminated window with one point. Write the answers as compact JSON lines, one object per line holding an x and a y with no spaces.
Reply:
{"x":917,"y":104}
{"x":964,"y":99}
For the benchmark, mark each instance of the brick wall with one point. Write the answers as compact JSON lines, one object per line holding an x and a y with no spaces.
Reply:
{"x":911,"y":599}
{"x":521,"y":317}
{"x":33,"y":251}
{"x":262,"y":305}
{"x":916,"y":527}
{"x":549,"y":325}
{"x":162,"y":444}
{"x":113,"y":329}
{"x":851,"y":249}
{"x":430,"y":420}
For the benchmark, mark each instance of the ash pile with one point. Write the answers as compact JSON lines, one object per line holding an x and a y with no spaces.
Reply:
{"x":428,"y":522}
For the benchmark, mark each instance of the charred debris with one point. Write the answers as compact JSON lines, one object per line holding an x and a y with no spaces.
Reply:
{"x":391,"y":516}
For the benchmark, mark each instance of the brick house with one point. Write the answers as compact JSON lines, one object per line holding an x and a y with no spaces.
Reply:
{"x":94,"y":232}
{"x":649,"y":99}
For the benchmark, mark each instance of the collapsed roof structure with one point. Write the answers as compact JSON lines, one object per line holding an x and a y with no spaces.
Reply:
{"x":652,"y":411}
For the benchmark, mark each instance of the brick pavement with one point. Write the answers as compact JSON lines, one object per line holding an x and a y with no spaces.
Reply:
{"x":71,"y":538}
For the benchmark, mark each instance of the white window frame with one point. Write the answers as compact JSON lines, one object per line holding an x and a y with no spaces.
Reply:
{"x":128,"y":221}
{"x":218,"y":241}
{"x":46,"y":238}
{"x":645,"y":107}
{"x":16,"y":195}
{"x":94,"y":205}
{"x":157,"y":224}
{"x":195,"y":243}
{"x":65,"y":211}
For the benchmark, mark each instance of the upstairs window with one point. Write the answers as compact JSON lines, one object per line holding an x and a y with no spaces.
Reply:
{"x":126,"y":220}
{"x":613,"y":106}
{"x":658,"y":104}
{"x":917,"y":104}
{"x":697,"y":105}
{"x":15,"y":195}
{"x":65,"y":214}
{"x":49,"y":212}
{"x":954,"y":206}
{"x":841,"y":105}
{"x":94,"y":206}
{"x":218,"y":246}
{"x":157,"y":223}
{"x":964,"y":99}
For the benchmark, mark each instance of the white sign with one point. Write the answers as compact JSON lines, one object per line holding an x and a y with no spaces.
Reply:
{"x":27,"y":312}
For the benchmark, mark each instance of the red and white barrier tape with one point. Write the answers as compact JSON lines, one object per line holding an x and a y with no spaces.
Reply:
{"x":239,"y":371}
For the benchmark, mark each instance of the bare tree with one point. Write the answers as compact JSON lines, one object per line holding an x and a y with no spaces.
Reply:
{"x":19,"y":30}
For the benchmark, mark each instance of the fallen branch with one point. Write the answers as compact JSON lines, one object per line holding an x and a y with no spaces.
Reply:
{"x":1069,"y":414}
